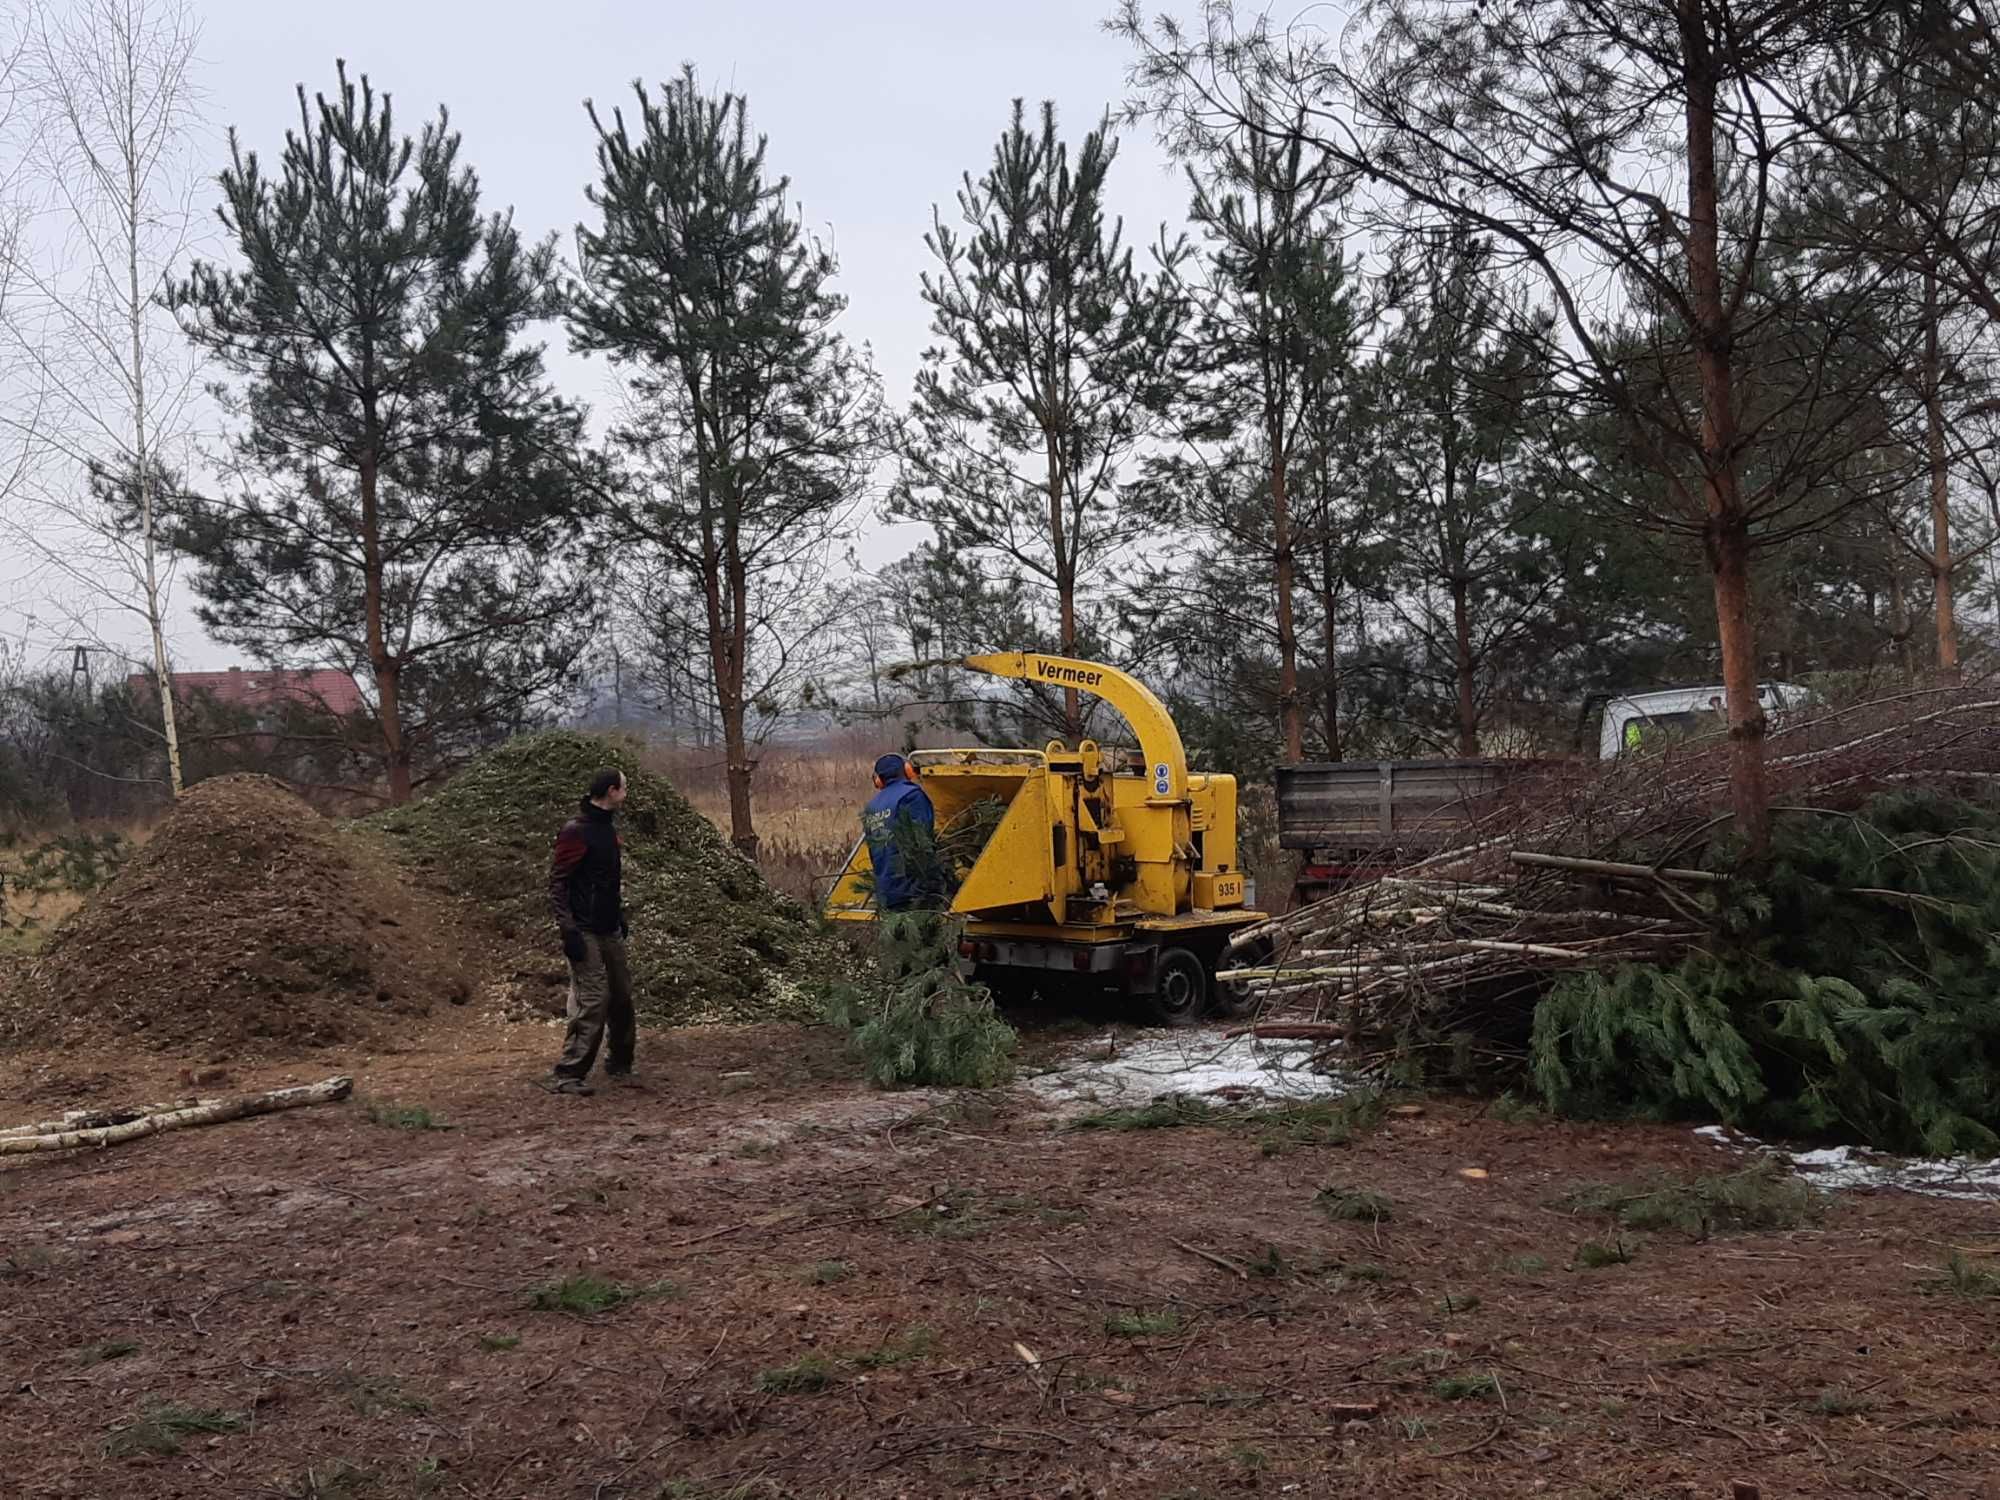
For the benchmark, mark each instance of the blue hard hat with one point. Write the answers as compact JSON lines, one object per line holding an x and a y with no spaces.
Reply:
{"x":889,"y":767}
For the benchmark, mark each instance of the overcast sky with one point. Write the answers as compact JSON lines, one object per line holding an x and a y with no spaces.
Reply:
{"x":873,"y":108}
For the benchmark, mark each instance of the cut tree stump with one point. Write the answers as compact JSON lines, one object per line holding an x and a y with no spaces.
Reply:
{"x":64,"y":1135}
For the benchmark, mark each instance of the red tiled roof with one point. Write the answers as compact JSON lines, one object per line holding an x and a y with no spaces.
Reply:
{"x":240,"y":687}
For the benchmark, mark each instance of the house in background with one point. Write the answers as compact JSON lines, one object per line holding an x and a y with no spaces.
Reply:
{"x":263,"y":692}
{"x":269,"y":698}
{"x":299,"y":726}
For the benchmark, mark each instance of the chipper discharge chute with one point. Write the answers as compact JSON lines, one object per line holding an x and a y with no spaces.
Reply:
{"x":1072,"y":876}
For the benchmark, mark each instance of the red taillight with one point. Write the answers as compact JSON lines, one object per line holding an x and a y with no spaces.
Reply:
{"x":1081,"y":959}
{"x":967,"y":948}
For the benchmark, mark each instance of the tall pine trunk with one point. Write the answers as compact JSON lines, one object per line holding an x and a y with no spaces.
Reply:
{"x":1290,"y":714}
{"x":387,"y":669}
{"x":1329,"y":606}
{"x":1940,"y":475}
{"x":725,"y":596}
{"x":1461,"y":639}
{"x":1065,"y":587}
{"x":1901,"y":626}
{"x":1330,"y":686}
{"x":1993,"y":556}
{"x":736,"y":746}
{"x":735,"y":743}
{"x":1726,"y":531}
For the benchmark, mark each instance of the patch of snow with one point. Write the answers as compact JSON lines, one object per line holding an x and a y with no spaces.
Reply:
{"x":1193,"y":1062}
{"x":1939,"y":1177}
{"x":1838,"y":1167}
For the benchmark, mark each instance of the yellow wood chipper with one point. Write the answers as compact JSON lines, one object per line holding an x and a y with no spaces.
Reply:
{"x":1091,"y":878}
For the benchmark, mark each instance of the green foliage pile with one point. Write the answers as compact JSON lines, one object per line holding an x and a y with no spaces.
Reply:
{"x":710,"y":940}
{"x":913,"y":1020}
{"x":1851,"y":991}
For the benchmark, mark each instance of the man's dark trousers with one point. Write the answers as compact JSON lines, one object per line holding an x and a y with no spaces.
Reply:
{"x":600,"y":1003}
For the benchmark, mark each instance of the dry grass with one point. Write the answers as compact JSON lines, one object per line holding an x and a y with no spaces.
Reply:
{"x":27,"y":915}
{"x":806,"y":801}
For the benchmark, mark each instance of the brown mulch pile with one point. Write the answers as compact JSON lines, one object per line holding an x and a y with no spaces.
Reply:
{"x":248,"y":921}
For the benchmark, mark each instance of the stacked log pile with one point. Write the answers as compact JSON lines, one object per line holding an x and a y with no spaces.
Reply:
{"x":1587,"y":872}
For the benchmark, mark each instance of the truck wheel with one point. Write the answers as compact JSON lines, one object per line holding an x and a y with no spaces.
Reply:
{"x":1232,"y":1003}
{"x":1008,"y":987}
{"x":1181,"y":992}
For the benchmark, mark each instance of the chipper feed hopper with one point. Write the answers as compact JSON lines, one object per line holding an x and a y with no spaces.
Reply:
{"x":1089,"y":879}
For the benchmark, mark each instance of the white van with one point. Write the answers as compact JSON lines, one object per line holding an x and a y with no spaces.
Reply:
{"x":1628,"y":720}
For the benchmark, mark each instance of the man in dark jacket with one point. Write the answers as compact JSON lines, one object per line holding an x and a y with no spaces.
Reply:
{"x":897,"y":823}
{"x":584,"y":894}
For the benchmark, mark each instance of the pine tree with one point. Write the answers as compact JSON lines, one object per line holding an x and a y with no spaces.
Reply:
{"x":1268,"y":335}
{"x":1899,"y":110}
{"x":755,"y":422}
{"x":1456,"y":470}
{"x":1051,"y":365}
{"x":1549,"y":126}
{"x":404,"y":497}
{"x":1336,"y":440}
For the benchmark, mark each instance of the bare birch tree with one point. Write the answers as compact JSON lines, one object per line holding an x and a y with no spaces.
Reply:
{"x":109,"y":173}
{"x":20,"y":393}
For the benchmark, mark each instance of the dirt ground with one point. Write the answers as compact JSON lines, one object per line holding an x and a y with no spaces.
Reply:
{"x":835,"y":1292}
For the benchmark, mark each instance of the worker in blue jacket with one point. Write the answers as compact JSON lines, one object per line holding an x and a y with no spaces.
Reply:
{"x":898,"y":800}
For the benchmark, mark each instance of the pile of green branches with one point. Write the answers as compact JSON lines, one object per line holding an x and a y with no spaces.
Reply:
{"x":912,"y":1019}
{"x":1850,"y":989}
{"x":963,"y":838}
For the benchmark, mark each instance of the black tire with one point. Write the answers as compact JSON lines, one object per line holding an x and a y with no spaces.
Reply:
{"x":1008,"y":986}
{"x":1180,"y":992}
{"x":1231,"y":1003}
